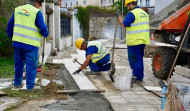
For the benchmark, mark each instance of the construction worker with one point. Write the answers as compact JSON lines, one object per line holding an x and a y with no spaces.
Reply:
{"x":97,"y":56}
{"x":137,"y":36}
{"x":26,"y":28}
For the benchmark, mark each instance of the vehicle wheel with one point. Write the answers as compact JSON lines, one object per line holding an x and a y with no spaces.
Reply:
{"x":162,"y":62}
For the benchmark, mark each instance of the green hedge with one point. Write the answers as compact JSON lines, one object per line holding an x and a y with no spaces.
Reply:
{"x":6,"y":49}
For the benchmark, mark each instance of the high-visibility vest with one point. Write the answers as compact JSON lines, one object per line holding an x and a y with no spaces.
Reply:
{"x":138,"y":32}
{"x":102,"y":51}
{"x":25,"y":30}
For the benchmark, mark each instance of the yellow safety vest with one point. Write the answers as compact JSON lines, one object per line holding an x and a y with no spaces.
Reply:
{"x":25,"y":30}
{"x":102,"y":51}
{"x":138,"y":32}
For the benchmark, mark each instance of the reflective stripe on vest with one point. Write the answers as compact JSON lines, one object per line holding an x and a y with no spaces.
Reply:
{"x":26,"y":27}
{"x":138,"y":32}
{"x":26,"y":36}
{"x":102,"y":51}
{"x":25,"y":30}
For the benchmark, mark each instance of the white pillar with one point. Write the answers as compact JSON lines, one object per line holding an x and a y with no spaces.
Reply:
{"x":57,"y":25}
{"x":72,"y":20}
{"x":50,"y":3}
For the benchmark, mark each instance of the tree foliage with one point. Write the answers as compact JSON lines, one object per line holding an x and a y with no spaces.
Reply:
{"x":5,"y":43}
{"x":7,"y":6}
{"x":118,"y":6}
{"x":6,"y":10}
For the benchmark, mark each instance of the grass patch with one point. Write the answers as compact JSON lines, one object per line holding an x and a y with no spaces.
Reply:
{"x":6,"y":67}
{"x":24,"y":94}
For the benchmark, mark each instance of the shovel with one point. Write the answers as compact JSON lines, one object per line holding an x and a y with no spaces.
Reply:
{"x":112,"y":69}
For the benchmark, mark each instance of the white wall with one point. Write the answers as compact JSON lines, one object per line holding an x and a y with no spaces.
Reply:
{"x":65,"y":42}
{"x":76,"y":28}
{"x":70,"y":3}
{"x":160,"y":4}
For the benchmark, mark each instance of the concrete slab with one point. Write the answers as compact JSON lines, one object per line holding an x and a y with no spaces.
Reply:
{"x":5,"y":83}
{"x":6,"y":102}
{"x":81,"y":80}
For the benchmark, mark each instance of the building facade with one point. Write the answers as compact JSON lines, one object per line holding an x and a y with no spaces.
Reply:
{"x":69,"y":3}
{"x":100,"y":3}
{"x":146,"y":3}
{"x":148,"y":6}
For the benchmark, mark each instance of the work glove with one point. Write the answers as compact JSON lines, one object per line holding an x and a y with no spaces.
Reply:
{"x":77,"y":71}
{"x":118,"y":13}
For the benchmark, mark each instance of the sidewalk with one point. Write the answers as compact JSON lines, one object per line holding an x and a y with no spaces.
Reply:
{"x":137,"y":99}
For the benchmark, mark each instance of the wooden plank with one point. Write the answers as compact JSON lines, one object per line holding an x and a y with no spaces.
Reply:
{"x":78,"y":91}
{"x":2,"y":93}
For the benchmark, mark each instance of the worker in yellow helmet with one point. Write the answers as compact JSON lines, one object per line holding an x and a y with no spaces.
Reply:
{"x":97,"y":56}
{"x":26,"y":28}
{"x":137,"y":36}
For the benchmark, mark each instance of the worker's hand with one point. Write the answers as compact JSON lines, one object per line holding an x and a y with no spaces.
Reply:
{"x":77,"y":71}
{"x":118,"y":13}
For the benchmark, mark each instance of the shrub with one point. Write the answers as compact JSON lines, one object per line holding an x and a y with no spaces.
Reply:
{"x":5,"y":42}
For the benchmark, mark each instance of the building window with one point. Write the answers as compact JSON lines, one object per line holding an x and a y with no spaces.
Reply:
{"x":147,"y":3}
{"x":65,"y":26}
{"x":101,"y":1}
{"x":105,"y":2}
{"x":84,"y":1}
{"x":65,"y":4}
{"x":71,"y":4}
{"x":77,"y":3}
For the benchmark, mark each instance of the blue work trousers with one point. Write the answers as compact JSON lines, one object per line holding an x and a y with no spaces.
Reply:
{"x":135,"y":57}
{"x":101,"y":65}
{"x":30,"y":58}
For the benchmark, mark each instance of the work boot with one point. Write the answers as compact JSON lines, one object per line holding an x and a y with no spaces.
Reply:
{"x":34,"y":89}
{"x":92,"y":72}
{"x":133,"y":80}
{"x":17,"y":87}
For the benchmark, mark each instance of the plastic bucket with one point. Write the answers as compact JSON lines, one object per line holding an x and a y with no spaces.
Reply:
{"x":123,"y":79}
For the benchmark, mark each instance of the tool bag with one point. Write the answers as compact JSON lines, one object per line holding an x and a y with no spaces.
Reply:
{"x":173,"y":102}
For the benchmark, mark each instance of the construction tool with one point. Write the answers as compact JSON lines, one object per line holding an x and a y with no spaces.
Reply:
{"x":76,"y":60}
{"x":112,"y":69}
{"x":43,"y":50}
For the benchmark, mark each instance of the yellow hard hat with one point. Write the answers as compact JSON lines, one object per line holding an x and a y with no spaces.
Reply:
{"x":78,"y":42}
{"x":129,"y":1}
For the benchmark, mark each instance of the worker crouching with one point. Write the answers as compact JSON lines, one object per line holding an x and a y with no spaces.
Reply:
{"x":97,"y":56}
